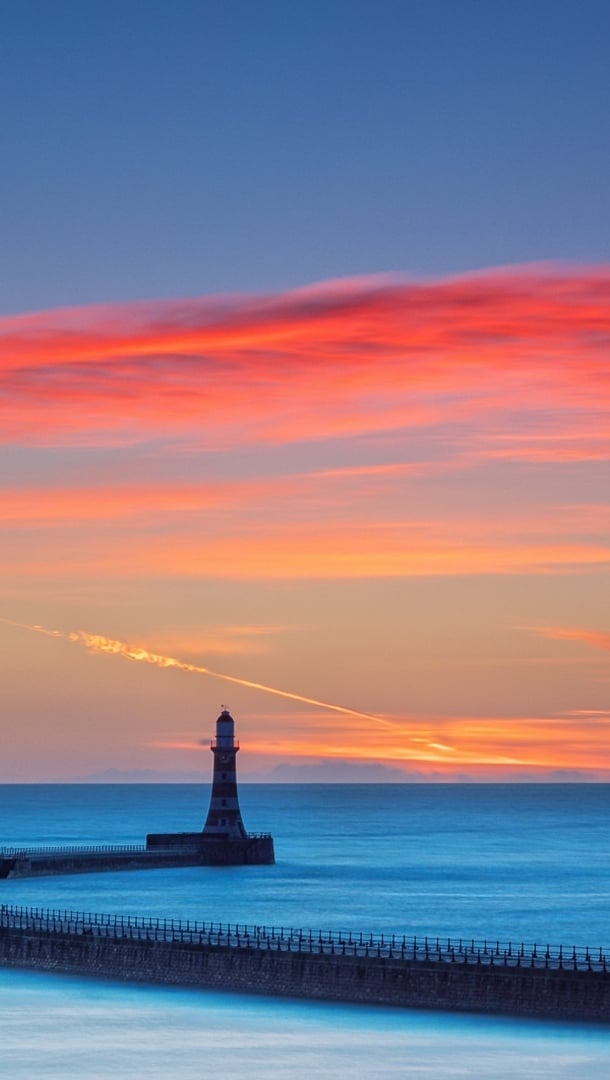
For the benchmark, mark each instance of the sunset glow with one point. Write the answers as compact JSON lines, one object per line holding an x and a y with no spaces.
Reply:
{"x":385,"y":500}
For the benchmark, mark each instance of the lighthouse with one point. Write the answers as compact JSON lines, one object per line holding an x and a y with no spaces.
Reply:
{"x":224,"y":816}
{"x":223,"y":841}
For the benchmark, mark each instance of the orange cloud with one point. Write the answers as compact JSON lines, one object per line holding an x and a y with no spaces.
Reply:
{"x":598,"y":639}
{"x":217,"y":640}
{"x":437,"y":744}
{"x":334,"y":523}
{"x":349,"y":549}
{"x":504,"y":348}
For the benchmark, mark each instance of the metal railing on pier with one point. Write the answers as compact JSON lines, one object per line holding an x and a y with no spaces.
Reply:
{"x":93,"y":849}
{"x":101,"y":849}
{"x":424,"y":949}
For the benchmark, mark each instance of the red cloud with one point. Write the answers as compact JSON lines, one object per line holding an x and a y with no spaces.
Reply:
{"x":496,"y":351}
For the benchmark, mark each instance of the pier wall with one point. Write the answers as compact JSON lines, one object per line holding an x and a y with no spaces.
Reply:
{"x":92,"y":863}
{"x":302,"y":967}
{"x":162,"y":850}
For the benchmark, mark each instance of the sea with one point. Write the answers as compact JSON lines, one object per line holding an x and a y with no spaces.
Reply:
{"x":520,"y":862}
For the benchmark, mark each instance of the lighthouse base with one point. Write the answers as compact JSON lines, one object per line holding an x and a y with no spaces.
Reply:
{"x":207,"y":850}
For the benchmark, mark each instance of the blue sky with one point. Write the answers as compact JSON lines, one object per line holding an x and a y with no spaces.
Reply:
{"x":171,"y":149}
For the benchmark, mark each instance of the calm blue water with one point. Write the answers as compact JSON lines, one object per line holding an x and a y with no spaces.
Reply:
{"x":527,"y":862}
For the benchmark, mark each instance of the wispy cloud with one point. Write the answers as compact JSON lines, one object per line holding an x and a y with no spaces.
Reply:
{"x":335,"y":523}
{"x":353,"y":549}
{"x":197,"y":642}
{"x":512,"y":743}
{"x":524,"y":348}
{"x":597,"y":639}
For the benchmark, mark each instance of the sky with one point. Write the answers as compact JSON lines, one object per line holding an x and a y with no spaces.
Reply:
{"x":305,"y":387}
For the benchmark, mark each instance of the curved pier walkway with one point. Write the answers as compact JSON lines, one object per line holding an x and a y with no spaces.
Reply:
{"x":493,"y":976}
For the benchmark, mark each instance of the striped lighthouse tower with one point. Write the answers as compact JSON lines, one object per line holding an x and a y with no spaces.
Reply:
{"x":224,"y":816}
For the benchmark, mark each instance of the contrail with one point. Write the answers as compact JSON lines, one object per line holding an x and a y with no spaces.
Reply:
{"x":99,"y":644}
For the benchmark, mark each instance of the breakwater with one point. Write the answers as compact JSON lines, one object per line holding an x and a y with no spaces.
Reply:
{"x":41,"y":862}
{"x":453,"y":975}
{"x":161,"y":852}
